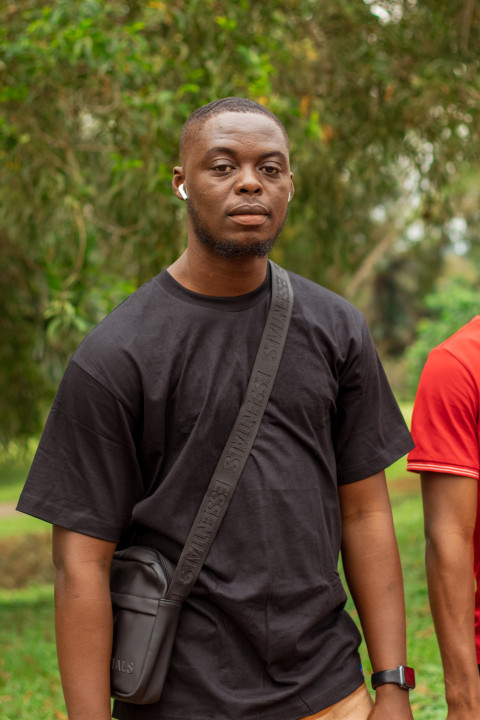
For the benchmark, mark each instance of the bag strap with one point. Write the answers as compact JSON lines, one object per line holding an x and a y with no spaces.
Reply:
{"x":235,"y":454}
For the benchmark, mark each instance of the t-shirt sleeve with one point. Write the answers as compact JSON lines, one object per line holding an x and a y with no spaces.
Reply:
{"x":369,"y":430}
{"x":445,"y":418}
{"x":85,"y":475}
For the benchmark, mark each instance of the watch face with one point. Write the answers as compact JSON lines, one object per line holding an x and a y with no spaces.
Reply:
{"x":409,"y":677}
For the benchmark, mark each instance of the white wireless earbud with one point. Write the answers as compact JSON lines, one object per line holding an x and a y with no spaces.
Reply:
{"x":182,"y":192}
{"x":289,"y":197}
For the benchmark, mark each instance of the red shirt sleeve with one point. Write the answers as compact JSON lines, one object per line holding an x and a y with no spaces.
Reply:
{"x":445,"y":425}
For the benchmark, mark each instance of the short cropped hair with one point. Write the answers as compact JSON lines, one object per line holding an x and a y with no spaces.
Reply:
{"x":229,"y":104}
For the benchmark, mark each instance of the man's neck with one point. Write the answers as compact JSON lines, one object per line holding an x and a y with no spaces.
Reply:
{"x":209,"y":274}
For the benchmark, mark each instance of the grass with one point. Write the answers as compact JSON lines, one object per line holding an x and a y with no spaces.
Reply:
{"x":20,"y":524}
{"x":11,"y":481}
{"x":428,"y":699}
{"x":29,"y":684}
{"x":15,"y":461}
{"x":12,"y":478}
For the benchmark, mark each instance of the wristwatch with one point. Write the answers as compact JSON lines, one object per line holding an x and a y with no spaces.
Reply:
{"x":402,"y":676}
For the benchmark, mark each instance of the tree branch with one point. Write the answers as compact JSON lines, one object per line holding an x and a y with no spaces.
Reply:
{"x":465,"y":25}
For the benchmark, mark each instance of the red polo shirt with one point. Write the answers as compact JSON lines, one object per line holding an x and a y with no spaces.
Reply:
{"x":445,"y":423}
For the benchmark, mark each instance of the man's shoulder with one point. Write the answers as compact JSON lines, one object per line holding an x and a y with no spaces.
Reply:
{"x":310,"y":288}
{"x":463,"y":346}
{"x":453,"y":365}
{"x":119,"y":343}
{"x":314,"y":297}
{"x":126,"y":321}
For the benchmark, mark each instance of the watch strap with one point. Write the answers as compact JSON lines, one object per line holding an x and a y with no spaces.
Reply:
{"x":402,"y":676}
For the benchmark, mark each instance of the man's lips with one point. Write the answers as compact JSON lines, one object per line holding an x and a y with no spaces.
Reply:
{"x":249,"y":210}
{"x":249,"y":214}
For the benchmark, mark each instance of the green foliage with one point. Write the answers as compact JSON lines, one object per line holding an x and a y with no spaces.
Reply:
{"x":29,"y":681}
{"x":428,"y":701}
{"x":26,"y":559}
{"x":15,"y":461}
{"x":449,"y":308}
{"x":11,"y":481}
{"x":92,"y":99}
{"x":18,"y":524}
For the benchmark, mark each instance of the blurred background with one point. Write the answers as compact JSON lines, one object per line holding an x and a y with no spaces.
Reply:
{"x":381,"y":102}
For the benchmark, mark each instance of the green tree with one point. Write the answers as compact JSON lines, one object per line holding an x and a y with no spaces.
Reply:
{"x":380,"y":100}
{"x":451,"y":306}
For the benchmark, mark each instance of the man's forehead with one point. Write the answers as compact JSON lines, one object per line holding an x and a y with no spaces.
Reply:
{"x":240,"y":127}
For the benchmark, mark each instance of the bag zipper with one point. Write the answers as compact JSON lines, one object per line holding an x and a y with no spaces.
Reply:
{"x":164,"y":565}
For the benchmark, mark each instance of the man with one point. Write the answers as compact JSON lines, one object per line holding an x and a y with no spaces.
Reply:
{"x":135,"y":433}
{"x":446,"y":430}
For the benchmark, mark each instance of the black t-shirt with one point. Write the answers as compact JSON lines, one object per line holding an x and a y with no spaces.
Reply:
{"x":136,"y":429}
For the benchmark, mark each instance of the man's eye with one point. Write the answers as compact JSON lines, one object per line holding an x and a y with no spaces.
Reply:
{"x":222,"y":168}
{"x":270,"y":170}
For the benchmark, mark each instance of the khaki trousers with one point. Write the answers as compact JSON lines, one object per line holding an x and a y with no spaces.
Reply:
{"x":356,"y":706}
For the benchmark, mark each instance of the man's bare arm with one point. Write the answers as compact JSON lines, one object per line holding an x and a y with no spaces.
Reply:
{"x":450,"y":511}
{"x":83,"y":622}
{"x":373,"y":571}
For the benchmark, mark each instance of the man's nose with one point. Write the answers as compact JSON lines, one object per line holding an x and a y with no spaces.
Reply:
{"x":248,"y":182}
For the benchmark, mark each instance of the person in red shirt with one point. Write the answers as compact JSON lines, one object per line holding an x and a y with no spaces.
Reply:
{"x":446,"y":432}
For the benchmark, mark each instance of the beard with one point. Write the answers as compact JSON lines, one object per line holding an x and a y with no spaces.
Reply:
{"x":231,"y":248}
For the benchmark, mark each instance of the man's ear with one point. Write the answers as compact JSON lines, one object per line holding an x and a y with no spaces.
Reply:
{"x":178,"y":183}
{"x":292,"y":188}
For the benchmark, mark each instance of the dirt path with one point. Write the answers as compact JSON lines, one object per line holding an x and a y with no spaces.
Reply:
{"x":7,"y":509}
